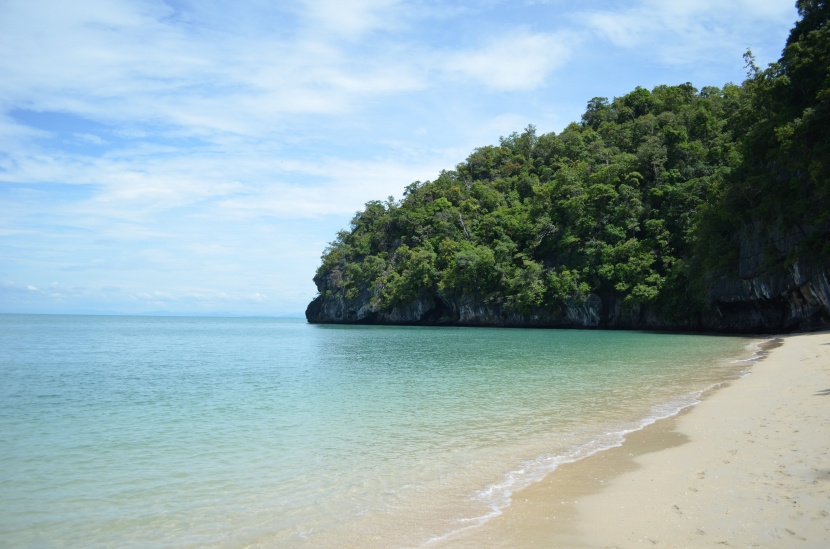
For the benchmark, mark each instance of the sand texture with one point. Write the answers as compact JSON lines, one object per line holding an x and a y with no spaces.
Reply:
{"x":748,"y":467}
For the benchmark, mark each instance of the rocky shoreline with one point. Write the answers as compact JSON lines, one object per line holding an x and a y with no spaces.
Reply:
{"x":796,"y":298}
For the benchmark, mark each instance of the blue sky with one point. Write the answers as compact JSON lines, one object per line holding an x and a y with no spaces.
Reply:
{"x":198,"y":156}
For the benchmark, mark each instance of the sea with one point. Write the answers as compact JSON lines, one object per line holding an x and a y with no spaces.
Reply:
{"x":174,"y":432}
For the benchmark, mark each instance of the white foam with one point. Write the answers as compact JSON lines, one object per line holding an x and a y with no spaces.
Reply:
{"x":498,"y":496}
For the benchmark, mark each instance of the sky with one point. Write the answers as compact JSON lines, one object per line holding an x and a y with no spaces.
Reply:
{"x":197,"y":157}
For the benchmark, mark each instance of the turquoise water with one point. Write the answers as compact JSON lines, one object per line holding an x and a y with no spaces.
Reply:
{"x":211,"y":432}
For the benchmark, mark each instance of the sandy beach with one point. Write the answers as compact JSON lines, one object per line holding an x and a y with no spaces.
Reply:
{"x":747,"y":467}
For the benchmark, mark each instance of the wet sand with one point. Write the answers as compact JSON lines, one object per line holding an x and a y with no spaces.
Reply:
{"x":748,"y":467}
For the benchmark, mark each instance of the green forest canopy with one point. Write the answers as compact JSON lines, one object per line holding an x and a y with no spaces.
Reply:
{"x":641,"y":200}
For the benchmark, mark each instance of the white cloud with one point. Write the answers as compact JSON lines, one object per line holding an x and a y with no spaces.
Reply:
{"x":519,"y":60}
{"x":90,"y":138}
{"x":209,"y":152}
{"x":346,"y":187}
{"x":685,"y":32}
{"x":125,"y":61}
{"x":352,"y":18}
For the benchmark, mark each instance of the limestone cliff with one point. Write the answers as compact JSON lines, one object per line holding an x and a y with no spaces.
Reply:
{"x":772,"y":292}
{"x":796,"y":299}
{"x":769,"y":293}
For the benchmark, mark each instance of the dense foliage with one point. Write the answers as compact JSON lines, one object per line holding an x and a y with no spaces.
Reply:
{"x":639,"y":201}
{"x":783,"y":181}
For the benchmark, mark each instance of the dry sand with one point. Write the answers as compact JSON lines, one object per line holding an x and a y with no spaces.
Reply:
{"x":748,"y":467}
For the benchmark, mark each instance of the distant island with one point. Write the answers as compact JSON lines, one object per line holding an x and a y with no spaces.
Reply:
{"x":671,"y":209}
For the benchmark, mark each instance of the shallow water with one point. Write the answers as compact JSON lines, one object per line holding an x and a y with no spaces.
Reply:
{"x":244,"y":432}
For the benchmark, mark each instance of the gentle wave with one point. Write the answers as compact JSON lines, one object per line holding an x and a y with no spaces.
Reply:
{"x":499,"y":496}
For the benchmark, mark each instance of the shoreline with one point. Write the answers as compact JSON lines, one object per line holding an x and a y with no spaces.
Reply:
{"x":749,"y":466}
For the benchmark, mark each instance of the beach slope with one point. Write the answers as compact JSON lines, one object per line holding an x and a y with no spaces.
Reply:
{"x":748,"y":467}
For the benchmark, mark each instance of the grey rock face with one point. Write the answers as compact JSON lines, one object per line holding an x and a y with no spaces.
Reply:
{"x":796,"y":298}
{"x":771,"y":293}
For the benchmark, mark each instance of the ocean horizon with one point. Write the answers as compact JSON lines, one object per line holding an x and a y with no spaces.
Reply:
{"x":170,"y":431}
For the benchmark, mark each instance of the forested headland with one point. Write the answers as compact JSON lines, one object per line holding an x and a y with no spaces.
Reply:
{"x":670,"y":208}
